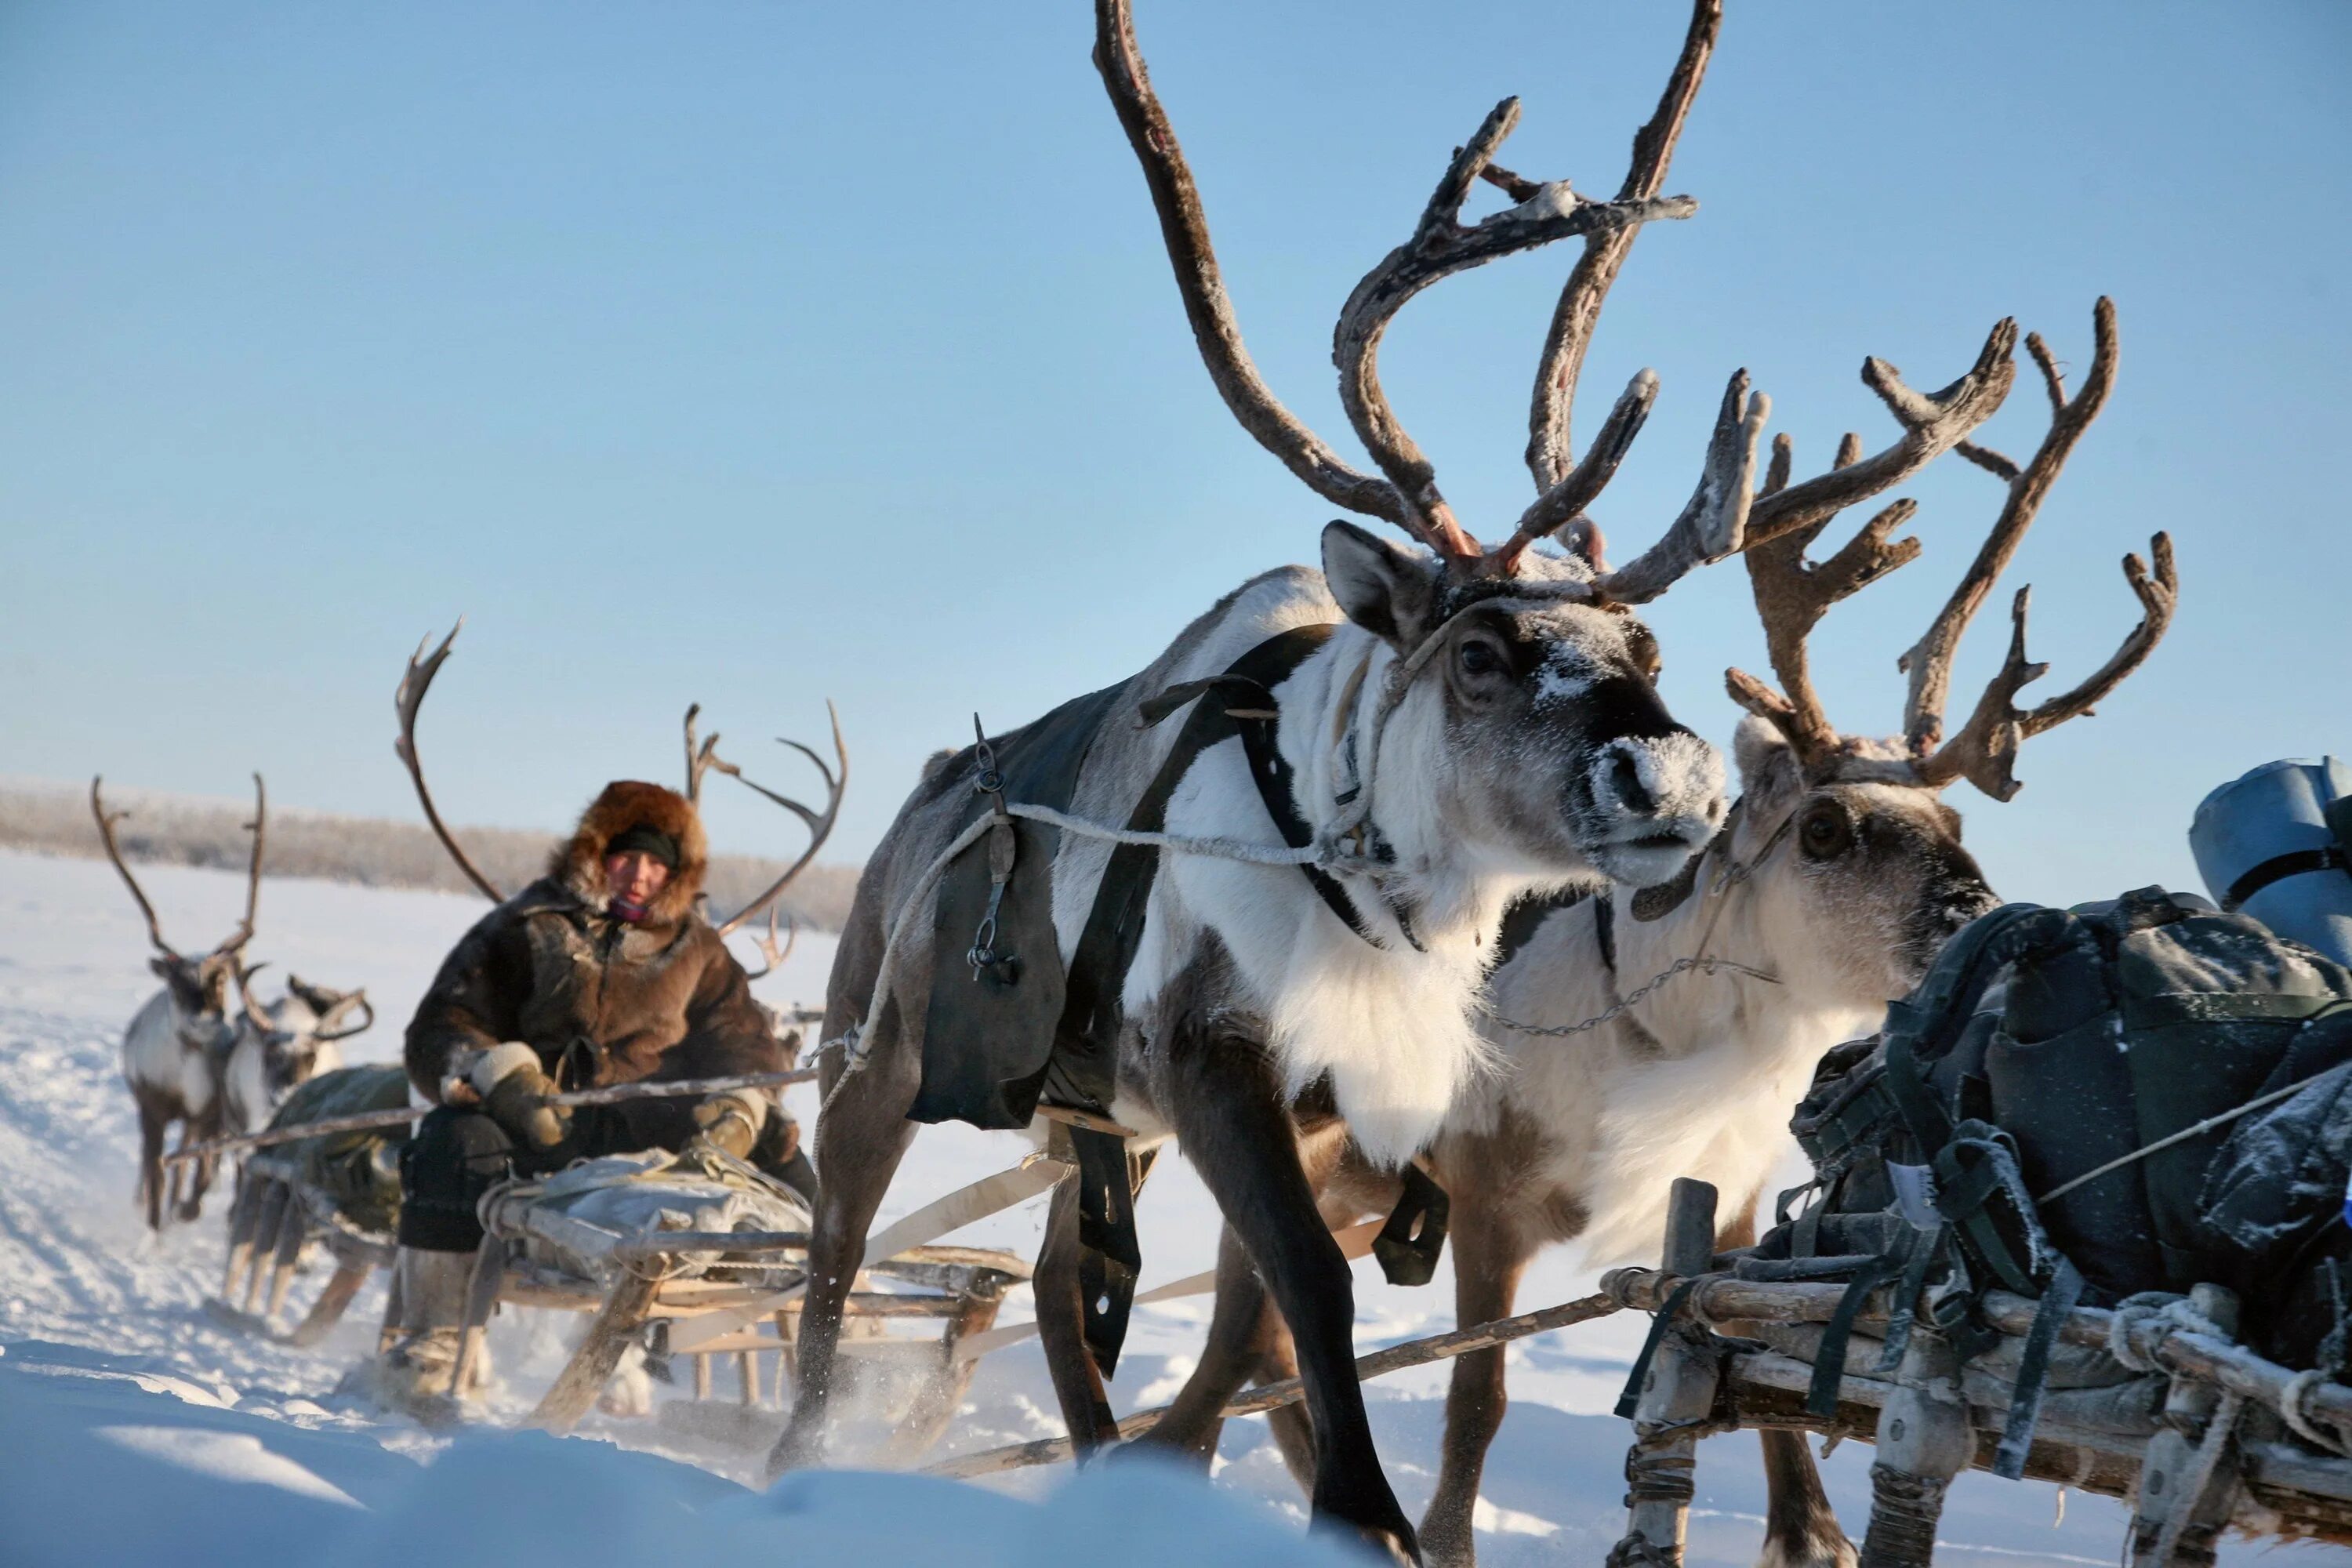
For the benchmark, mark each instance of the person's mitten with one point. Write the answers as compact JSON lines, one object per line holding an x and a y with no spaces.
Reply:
{"x":511,"y":1082}
{"x":731,"y":1121}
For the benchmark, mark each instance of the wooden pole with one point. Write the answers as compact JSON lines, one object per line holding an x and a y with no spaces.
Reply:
{"x":1290,"y":1390}
{"x":363,"y":1120}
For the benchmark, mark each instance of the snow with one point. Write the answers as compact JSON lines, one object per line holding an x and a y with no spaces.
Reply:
{"x":134,"y":1428}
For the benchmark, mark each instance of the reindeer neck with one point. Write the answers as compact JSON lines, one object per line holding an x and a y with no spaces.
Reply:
{"x":1328,"y":716}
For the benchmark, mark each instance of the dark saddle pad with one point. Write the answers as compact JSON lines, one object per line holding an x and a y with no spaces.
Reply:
{"x":988,"y":1032}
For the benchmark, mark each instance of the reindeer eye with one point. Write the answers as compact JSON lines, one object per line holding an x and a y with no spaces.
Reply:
{"x":1480,"y":659}
{"x":1825,"y":832}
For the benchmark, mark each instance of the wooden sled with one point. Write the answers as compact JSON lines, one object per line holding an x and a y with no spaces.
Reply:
{"x":906,"y":1314}
{"x":2215,"y":1438}
{"x":906,"y":1317}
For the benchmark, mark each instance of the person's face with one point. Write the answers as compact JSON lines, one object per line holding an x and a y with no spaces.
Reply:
{"x":632,"y":878}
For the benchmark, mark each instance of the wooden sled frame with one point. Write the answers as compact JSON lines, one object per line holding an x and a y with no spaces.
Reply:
{"x":2222,"y":1452}
{"x":277,"y":1217}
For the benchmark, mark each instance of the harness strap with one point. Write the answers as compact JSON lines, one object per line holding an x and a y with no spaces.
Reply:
{"x":1085,"y":1055}
{"x":1829,"y":1362}
{"x":1630,"y":1399}
{"x":2058,"y":1299}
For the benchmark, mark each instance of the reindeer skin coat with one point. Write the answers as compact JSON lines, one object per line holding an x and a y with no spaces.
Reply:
{"x":660,"y":1000}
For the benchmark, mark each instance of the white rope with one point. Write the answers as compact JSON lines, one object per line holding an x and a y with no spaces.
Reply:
{"x":2158,"y":1309}
{"x":1316,"y":854}
{"x":2293,"y":1404}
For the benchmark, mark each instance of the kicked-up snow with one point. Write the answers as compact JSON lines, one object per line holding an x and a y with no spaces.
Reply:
{"x":135,"y":1429}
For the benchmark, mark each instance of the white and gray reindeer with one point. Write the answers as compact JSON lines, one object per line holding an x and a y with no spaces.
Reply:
{"x":1837,"y":879}
{"x":188,"y":1064}
{"x":1464,"y":727}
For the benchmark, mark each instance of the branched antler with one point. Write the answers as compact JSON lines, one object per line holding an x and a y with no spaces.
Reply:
{"x":819,"y":822}
{"x":769,"y":948}
{"x":1792,"y":595}
{"x":1441,"y":245}
{"x":405,"y":702}
{"x":235,"y":943}
{"x":1933,"y":424}
{"x":1549,"y":452}
{"x":699,"y":760}
{"x":106,"y":821}
{"x":1984,"y":750}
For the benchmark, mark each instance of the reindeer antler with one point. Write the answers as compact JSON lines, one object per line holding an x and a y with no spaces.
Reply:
{"x":819,"y":822}
{"x":236,"y":939}
{"x":1984,"y":752}
{"x":405,"y":701}
{"x":106,"y":821}
{"x":774,"y":954}
{"x":258,"y":827}
{"x":1440,"y":246}
{"x":1792,"y":595}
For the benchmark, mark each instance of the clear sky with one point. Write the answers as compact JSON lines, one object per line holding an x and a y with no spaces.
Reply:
{"x":758,"y":354}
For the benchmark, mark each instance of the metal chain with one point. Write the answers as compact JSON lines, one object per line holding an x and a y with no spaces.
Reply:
{"x":1732,"y":878}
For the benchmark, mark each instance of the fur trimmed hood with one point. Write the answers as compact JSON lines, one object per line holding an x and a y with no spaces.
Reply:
{"x":624,"y":803}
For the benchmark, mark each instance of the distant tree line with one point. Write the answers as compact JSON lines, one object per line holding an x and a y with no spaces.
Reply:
{"x":178,"y":831}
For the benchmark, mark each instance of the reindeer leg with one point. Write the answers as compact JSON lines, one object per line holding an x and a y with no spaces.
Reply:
{"x":151,"y":1162}
{"x":862,"y":1135}
{"x":1232,"y":1357}
{"x":180,"y":1176}
{"x":1061,"y":1328}
{"x":1232,"y":1121}
{"x":1488,"y":1259}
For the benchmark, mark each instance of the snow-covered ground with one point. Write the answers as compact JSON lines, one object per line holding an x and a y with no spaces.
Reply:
{"x":134,"y":1429}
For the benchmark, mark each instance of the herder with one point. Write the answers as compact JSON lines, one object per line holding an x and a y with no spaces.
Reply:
{"x":602,"y":972}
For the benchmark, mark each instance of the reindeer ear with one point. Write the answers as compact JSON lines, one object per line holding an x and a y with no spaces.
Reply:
{"x":1770,"y":777}
{"x":1384,"y":589}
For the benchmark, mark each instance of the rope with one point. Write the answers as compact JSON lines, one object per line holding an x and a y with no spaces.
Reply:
{"x":2192,"y":1485}
{"x":2293,"y":1404}
{"x":2144,"y":1150}
{"x":1733,"y":876}
{"x":2158,"y":1310}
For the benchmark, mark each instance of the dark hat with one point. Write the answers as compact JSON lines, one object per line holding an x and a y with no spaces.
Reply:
{"x":645,"y":837}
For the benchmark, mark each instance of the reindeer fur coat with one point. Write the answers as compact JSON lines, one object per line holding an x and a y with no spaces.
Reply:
{"x":601,"y":1001}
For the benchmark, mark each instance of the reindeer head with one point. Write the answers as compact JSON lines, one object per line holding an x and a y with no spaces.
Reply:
{"x":197,"y":986}
{"x":279,"y":1047}
{"x":1534,"y":677}
{"x":1875,"y":853}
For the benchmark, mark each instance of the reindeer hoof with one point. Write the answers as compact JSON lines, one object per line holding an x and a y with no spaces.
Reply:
{"x":1390,"y":1539}
{"x":1815,"y":1549}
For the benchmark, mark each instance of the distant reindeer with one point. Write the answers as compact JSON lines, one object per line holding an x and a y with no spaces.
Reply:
{"x":177,"y":1044}
{"x":1465,"y":726}
{"x":281,"y":1047}
{"x":1838,"y":879}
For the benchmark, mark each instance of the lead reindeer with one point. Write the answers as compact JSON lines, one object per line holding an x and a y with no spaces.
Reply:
{"x":176,"y":1044}
{"x":1837,"y":880}
{"x":1457,"y":727}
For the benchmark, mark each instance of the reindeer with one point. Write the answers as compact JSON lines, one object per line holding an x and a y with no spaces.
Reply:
{"x":173,"y":1050}
{"x":279,"y":1048}
{"x":1474,"y":725}
{"x":1837,"y":880}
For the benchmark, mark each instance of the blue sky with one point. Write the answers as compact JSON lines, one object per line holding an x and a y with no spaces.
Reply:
{"x":758,"y":354}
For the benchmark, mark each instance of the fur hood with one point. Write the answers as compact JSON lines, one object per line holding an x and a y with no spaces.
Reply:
{"x":579,"y":865}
